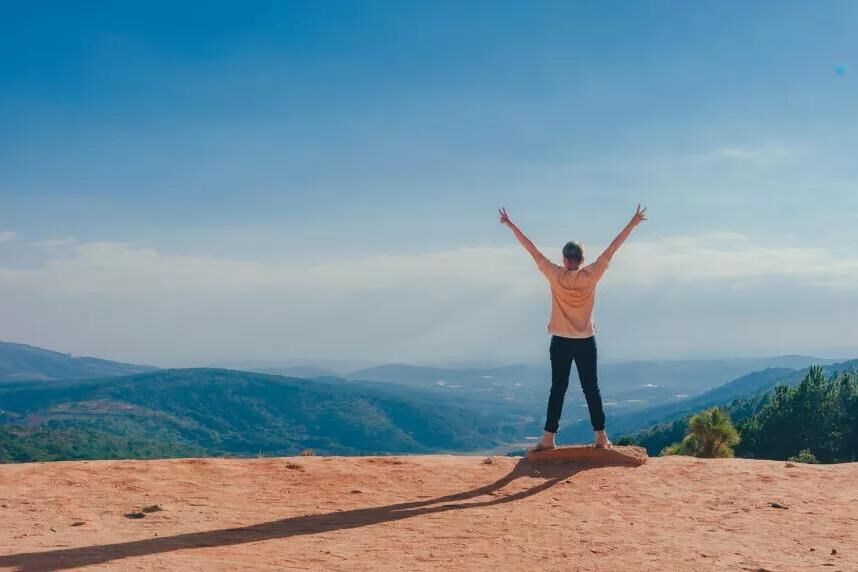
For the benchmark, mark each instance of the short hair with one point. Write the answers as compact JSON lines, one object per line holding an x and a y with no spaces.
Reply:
{"x":573,"y":251}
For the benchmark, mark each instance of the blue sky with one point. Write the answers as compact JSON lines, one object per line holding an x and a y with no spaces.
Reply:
{"x":346,"y":159}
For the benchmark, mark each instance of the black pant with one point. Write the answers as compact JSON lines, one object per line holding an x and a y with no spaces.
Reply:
{"x":563,"y":352}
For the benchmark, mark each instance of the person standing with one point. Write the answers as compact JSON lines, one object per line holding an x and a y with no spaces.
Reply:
{"x":572,"y":329}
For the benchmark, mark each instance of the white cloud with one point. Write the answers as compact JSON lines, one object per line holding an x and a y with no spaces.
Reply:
{"x":482,"y":302}
{"x":7,"y":236}
{"x":124,"y":269}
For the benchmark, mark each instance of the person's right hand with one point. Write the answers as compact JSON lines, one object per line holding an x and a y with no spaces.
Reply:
{"x":504,"y":218}
{"x":639,"y":216}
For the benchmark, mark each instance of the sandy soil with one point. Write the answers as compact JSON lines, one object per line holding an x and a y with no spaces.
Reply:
{"x":428,"y":513}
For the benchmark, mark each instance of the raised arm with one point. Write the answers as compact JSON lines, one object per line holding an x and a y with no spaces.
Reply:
{"x":525,"y":242}
{"x":639,"y":217}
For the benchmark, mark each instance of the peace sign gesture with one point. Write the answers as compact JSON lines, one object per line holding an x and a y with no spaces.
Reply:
{"x":640,"y":215}
{"x":504,"y":218}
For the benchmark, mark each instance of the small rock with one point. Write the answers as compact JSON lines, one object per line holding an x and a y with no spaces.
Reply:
{"x":488,"y":461}
{"x":790,"y":465}
{"x":779,"y":505}
{"x":151,"y":508}
{"x":833,"y":551}
{"x":54,"y":530}
{"x":135,"y":515}
{"x":356,"y":492}
{"x":79,"y":523}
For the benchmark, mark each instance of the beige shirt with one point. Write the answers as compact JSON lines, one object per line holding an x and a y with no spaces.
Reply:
{"x":573,"y":295}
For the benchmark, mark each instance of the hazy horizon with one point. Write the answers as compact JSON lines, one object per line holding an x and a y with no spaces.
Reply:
{"x":211,"y":182}
{"x":341,"y":367}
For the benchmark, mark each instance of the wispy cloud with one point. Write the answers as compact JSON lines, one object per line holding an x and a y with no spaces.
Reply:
{"x":721,"y":256}
{"x":55,"y":243}
{"x":7,"y":236}
{"x":756,"y":155}
{"x":737,"y":259}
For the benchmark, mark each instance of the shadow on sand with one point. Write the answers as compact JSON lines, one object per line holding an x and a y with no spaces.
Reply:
{"x":67,"y":558}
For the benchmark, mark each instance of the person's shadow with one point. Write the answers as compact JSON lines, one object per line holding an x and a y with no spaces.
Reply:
{"x":312,"y":524}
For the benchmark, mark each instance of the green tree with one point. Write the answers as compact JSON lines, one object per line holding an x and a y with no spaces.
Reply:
{"x":818,"y":414}
{"x":711,"y":434}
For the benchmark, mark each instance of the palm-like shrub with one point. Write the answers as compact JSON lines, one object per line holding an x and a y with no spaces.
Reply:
{"x":803,"y":456}
{"x":711,"y":434}
{"x":819,"y":414}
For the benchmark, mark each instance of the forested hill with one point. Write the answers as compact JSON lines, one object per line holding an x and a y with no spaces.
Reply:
{"x":231,"y":412}
{"x":23,"y":362}
{"x":818,"y":415}
{"x":745,"y":387}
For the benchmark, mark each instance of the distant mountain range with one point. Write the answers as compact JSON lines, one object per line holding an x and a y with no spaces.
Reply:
{"x":49,"y":397}
{"x":23,"y":362}
{"x":302,"y":371}
{"x":334,"y":367}
{"x":626,"y":387}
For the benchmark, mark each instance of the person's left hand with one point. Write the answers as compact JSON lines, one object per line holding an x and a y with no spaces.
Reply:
{"x":639,"y":216}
